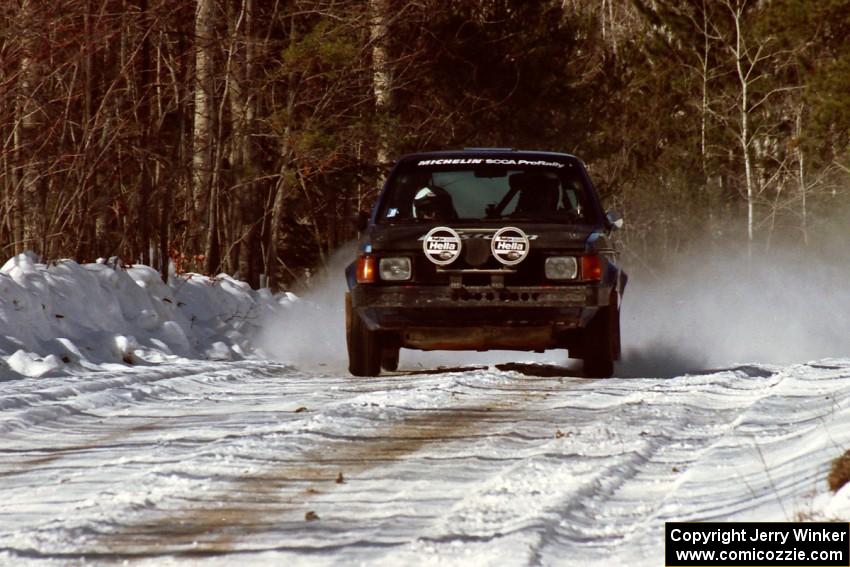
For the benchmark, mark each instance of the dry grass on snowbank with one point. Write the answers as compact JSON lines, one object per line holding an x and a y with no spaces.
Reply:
{"x":839,"y":474}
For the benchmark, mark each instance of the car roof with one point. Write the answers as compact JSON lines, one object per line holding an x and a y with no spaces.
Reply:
{"x":488,"y":153}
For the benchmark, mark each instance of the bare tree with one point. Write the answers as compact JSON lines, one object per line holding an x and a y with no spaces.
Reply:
{"x":26,"y":135}
{"x":754,"y":60}
{"x":243,"y":109}
{"x":381,"y":80}
{"x":203,"y":131}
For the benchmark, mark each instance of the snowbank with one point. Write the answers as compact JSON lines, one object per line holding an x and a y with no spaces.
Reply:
{"x":66,"y":317}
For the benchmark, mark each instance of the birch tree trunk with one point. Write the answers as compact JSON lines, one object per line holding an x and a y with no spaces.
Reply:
{"x":743,"y":76}
{"x":145,"y":117}
{"x":84,"y":246}
{"x":202,"y":139}
{"x":704,"y":113}
{"x":801,"y":172}
{"x":381,"y":80}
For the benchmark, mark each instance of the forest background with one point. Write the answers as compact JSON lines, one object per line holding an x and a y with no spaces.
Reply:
{"x":244,"y":135}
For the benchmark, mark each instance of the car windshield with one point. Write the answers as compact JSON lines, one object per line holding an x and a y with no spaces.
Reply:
{"x":444,"y":190}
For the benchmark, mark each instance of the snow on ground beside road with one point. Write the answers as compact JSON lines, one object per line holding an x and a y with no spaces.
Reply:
{"x":70,"y":318}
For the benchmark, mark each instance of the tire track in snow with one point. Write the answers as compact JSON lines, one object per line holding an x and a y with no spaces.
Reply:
{"x":55,"y":454}
{"x":261,"y":502}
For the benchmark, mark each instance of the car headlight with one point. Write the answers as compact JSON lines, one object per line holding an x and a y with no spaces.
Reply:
{"x":394,"y":269}
{"x":561,"y":268}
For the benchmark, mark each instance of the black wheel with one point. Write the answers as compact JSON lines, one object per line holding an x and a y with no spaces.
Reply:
{"x":364,"y":346}
{"x":389,"y":359}
{"x":602,"y":342}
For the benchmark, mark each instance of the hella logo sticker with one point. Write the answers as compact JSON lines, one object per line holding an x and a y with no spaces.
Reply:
{"x":510,"y":246}
{"x":442,"y":245}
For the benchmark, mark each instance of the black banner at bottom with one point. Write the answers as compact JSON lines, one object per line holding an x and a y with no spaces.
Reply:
{"x":762,"y":544}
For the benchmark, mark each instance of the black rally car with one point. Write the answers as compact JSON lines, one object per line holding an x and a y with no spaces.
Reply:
{"x":485,"y":249}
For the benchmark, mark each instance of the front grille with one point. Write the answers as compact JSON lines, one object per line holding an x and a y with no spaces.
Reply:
{"x":489,"y":294}
{"x":529,"y":272}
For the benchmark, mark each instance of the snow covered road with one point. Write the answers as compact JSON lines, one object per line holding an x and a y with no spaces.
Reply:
{"x":263,"y":463}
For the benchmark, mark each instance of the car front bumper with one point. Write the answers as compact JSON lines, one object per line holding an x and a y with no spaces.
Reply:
{"x":478,"y":318}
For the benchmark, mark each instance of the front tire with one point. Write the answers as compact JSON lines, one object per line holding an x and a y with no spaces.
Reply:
{"x":364,"y":346}
{"x":389,"y":359}
{"x":603,"y":342}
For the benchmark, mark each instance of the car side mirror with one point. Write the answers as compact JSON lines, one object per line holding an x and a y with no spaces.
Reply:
{"x":615,"y":219}
{"x":361,"y":220}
